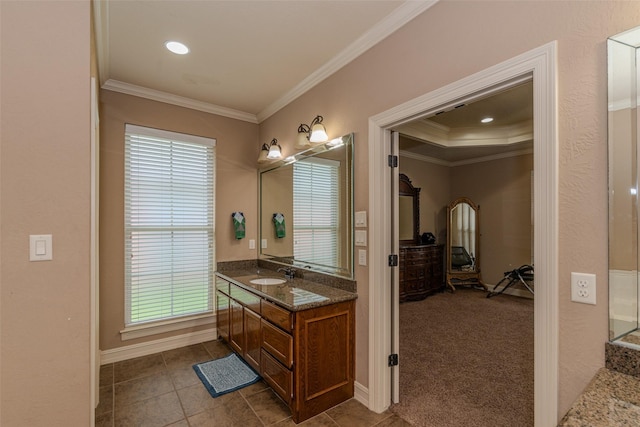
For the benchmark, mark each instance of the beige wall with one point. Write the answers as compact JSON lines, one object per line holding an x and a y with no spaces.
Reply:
{"x":45,"y":127}
{"x":452,"y":40}
{"x":44,"y":134}
{"x":236,"y":190}
{"x":502,"y":189}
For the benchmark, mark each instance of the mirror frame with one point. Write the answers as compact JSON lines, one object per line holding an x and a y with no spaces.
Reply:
{"x":405,"y":188}
{"x":348,"y":271}
{"x":464,"y":278}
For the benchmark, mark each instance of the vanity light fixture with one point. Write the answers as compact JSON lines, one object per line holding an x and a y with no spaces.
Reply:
{"x":275,"y":152}
{"x":315,"y":132}
{"x":487,"y":120}
{"x":177,"y":47}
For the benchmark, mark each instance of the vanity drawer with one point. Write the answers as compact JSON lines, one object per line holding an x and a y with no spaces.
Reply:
{"x":245,"y":298}
{"x":278,"y":343}
{"x":277,"y":315}
{"x":222,"y":285}
{"x":277,"y":376}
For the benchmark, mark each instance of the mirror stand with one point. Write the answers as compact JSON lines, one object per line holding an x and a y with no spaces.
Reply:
{"x":463,"y":244}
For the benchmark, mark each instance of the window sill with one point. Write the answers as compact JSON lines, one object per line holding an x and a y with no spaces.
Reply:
{"x":145,"y":330}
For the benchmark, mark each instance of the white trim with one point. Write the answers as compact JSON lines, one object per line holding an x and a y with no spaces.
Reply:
{"x":166,"y":134}
{"x":180,"y":101}
{"x":395,"y":20}
{"x":427,"y":159}
{"x":361,"y":393}
{"x":145,"y":330}
{"x":541,"y":63}
{"x":151,"y":347}
{"x":94,"y":246}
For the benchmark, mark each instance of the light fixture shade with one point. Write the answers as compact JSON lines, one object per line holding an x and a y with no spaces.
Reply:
{"x":264,"y":151}
{"x":274,"y":150}
{"x":303,"y":140}
{"x":318,"y":133}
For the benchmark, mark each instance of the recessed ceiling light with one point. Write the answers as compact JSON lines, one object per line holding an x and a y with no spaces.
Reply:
{"x":177,"y":47}
{"x":487,"y":120}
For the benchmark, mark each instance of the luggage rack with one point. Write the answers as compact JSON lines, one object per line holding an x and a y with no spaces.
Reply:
{"x":522,"y":274}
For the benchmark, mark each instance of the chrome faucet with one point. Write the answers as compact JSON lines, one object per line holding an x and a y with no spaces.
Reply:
{"x":289,"y":272}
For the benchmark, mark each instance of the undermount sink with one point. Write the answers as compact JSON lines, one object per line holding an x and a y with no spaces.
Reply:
{"x":267,"y":281}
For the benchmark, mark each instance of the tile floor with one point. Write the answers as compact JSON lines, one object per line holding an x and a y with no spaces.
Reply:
{"x":163,"y":390}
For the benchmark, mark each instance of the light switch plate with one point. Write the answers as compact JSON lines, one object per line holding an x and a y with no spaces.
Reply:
{"x":361,"y":218}
{"x":40,"y":247}
{"x":362,"y":257}
{"x":361,"y":237}
{"x":263,"y":244}
{"x":252,"y":243}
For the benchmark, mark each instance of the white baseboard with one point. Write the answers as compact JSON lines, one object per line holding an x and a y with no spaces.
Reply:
{"x":361,"y":393}
{"x":146,"y":348}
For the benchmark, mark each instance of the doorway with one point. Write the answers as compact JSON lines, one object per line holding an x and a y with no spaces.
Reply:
{"x":540,"y":65}
{"x":462,"y":355}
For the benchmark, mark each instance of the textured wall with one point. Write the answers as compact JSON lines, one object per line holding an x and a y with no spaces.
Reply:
{"x":236,"y":190}
{"x":455,"y":39}
{"x":45,"y":175}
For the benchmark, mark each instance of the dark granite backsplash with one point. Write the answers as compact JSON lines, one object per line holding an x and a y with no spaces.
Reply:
{"x":312,"y":276}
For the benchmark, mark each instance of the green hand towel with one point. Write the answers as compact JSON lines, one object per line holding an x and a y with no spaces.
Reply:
{"x":238,"y":224}
{"x":278,"y":220}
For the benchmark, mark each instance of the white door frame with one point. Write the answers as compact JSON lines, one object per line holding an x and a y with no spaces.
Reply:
{"x":541,"y":63}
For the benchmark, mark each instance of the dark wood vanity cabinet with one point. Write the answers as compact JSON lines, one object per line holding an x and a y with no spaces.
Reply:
{"x":421,"y":271}
{"x":307,"y":356}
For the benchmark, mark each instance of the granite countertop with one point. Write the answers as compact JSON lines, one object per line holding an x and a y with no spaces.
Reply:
{"x":610,"y":399}
{"x":295,"y":294}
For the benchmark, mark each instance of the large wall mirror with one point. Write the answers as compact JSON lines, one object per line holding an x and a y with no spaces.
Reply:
{"x":306,"y":209}
{"x":623,"y":77}
{"x":463,"y":244}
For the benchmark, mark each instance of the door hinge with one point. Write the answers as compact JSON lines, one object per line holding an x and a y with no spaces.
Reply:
{"x":393,"y":161}
{"x":393,"y":360}
{"x":393,"y":260}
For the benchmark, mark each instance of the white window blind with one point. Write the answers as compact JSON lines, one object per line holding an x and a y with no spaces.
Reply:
{"x":315,"y":211}
{"x":169,"y":225}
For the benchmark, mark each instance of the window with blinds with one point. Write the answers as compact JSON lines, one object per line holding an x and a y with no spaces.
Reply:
{"x":315,"y":211}
{"x":169,"y":225}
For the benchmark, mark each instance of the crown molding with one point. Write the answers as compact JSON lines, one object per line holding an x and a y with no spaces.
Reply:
{"x":426,"y":130}
{"x":435,"y":161}
{"x":181,"y":101}
{"x":399,"y":17}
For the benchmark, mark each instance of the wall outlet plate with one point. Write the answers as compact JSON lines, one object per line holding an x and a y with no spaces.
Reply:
{"x":583,"y":288}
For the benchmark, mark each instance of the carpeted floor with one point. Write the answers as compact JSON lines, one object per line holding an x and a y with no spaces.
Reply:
{"x":466,"y":360}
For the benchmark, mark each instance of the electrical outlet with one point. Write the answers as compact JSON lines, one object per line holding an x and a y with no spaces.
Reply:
{"x":583,"y":288}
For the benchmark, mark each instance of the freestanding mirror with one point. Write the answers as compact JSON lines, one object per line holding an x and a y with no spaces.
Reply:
{"x":623,"y":76}
{"x":463,"y":244}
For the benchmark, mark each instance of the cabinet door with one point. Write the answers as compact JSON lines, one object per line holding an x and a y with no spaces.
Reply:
{"x":222,"y":315}
{"x":236,"y":329}
{"x":252,"y":339}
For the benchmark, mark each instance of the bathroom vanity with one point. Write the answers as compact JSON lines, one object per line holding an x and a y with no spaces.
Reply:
{"x":298,"y":335}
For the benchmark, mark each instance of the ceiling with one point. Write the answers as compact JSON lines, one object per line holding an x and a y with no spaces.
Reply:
{"x":456,"y":135}
{"x":247,"y":59}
